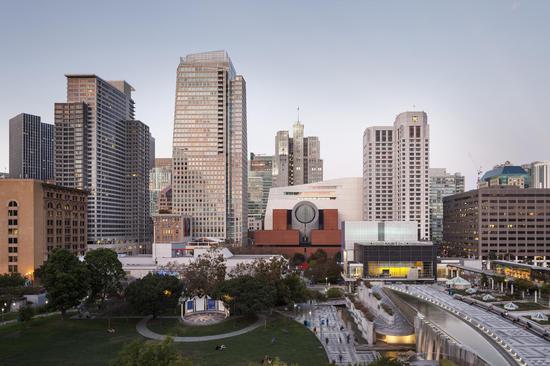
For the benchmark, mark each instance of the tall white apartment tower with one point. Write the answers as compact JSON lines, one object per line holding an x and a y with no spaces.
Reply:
{"x":395,"y":172}
{"x":209,"y":171}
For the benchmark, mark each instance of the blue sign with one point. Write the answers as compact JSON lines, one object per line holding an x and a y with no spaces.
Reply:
{"x":211,"y":305}
{"x":190,"y":305}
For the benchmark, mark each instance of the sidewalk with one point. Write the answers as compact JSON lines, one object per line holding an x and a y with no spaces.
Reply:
{"x":337,"y":345}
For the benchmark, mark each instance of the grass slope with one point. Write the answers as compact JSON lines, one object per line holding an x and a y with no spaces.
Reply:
{"x":52,"y":341}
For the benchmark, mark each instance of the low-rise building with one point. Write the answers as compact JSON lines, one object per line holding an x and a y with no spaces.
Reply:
{"x":387,"y":251}
{"x":38,"y":217}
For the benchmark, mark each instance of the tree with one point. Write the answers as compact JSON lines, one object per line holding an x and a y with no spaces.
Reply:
{"x":271,"y":270}
{"x":291,"y":289}
{"x":319,"y":256}
{"x":522,"y":284}
{"x":12,"y":280}
{"x":324,"y":269}
{"x":297,"y":259}
{"x":140,"y":353}
{"x":153,"y":293}
{"x":202,"y":275}
{"x":545,"y":288}
{"x":105,"y":273}
{"x":246,"y":294}
{"x":484,"y":280}
{"x":65,"y":279}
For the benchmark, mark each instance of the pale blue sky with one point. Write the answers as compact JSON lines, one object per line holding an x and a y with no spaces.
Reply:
{"x":480,"y":69}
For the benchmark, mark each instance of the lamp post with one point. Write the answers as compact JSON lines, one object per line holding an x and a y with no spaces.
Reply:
{"x":2,"y":315}
{"x":326,"y":282}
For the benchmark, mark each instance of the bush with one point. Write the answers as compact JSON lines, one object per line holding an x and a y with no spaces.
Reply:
{"x":316,"y":295}
{"x":12,"y":280}
{"x":367,"y":284}
{"x":377,"y":296}
{"x":334,"y":293}
{"x":359,"y":306}
{"x":25,"y":313}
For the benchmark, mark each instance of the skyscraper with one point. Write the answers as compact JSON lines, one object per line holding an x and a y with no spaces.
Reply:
{"x":297,"y":159}
{"x":209,"y":173}
{"x":31,"y":148}
{"x":442,"y":184}
{"x":539,"y":174}
{"x":160,"y":177}
{"x":138,"y":164}
{"x":260,"y":181}
{"x":395,"y":172}
{"x":99,"y":147}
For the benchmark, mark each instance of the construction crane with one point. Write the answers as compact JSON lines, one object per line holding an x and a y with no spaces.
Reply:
{"x":479,"y":170}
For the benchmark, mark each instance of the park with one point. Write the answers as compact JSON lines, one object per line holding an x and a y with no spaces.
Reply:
{"x":94,"y":315}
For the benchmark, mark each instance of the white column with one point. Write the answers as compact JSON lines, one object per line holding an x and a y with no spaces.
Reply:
{"x":512,"y":286}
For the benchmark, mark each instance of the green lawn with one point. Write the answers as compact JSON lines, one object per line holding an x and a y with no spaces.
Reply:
{"x":52,"y":341}
{"x":173,"y":327}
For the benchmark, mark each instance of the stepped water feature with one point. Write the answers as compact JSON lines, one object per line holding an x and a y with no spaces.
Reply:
{"x":434,"y":344}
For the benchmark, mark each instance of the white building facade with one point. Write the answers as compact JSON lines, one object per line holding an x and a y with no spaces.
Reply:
{"x":395,"y":172}
{"x":343,"y":194}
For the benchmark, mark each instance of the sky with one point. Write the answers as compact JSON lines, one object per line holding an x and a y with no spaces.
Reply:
{"x":480,"y":69}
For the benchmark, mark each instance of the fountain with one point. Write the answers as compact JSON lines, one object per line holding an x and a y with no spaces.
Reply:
{"x":434,"y":344}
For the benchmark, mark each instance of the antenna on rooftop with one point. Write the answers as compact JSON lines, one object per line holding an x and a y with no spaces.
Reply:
{"x":298,"y":111}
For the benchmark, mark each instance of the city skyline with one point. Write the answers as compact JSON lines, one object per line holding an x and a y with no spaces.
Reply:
{"x":462,"y":80}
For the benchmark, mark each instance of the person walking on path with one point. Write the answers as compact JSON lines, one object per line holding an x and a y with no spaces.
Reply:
{"x":340,"y":357}
{"x":326,"y":340}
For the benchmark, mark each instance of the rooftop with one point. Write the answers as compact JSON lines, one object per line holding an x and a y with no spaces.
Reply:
{"x":504,"y":170}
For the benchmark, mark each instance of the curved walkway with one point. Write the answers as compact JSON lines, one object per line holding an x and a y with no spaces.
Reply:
{"x":142,"y":329}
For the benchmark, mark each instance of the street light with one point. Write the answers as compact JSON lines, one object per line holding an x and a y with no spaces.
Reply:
{"x":326,"y":280}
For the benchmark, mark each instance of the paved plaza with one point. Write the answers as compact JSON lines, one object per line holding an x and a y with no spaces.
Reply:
{"x":337,"y":348}
{"x":514,"y":339}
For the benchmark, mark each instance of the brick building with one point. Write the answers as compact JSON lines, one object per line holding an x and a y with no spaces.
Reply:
{"x":304,"y":229}
{"x":39,"y":217}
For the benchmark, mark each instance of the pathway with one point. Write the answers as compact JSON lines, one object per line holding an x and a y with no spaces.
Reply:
{"x":337,"y":345}
{"x":142,"y":329}
{"x":516,"y":341}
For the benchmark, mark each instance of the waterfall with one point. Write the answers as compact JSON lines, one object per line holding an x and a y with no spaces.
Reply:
{"x":434,"y":344}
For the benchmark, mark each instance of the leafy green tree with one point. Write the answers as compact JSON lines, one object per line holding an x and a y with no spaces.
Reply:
{"x":65,"y":280}
{"x":545,"y":288}
{"x":271,"y":270}
{"x":202,"y":275}
{"x":297,"y":259}
{"x":12,"y":280}
{"x":246,"y":294}
{"x":153,"y":294}
{"x":523,"y":285}
{"x":484,"y":280}
{"x":296,"y":287}
{"x":140,"y":353}
{"x":319,"y":256}
{"x":105,"y":273}
{"x":324,"y":269}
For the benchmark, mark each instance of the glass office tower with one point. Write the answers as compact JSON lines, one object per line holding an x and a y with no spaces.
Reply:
{"x":209,"y":172}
